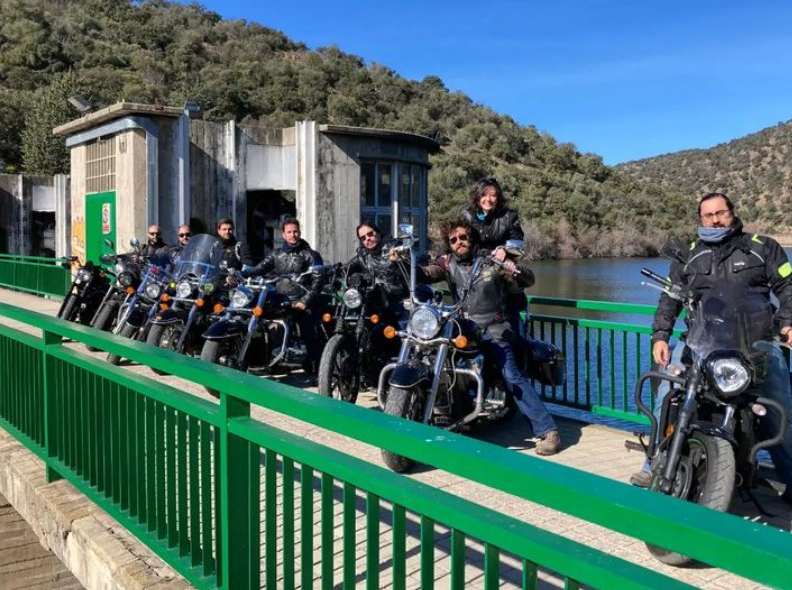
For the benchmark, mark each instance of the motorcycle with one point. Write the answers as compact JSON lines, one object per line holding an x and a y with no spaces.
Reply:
{"x":358,"y":349}
{"x":199,"y":296}
{"x":138,"y":310}
{"x":257,"y":332}
{"x":85,"y":294}
{"x":704,"y":445}
{"x":439,"y":377}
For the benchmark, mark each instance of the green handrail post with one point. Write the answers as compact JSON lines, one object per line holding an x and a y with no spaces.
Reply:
{"x":50,"y":426}
{"x":237,"y":570}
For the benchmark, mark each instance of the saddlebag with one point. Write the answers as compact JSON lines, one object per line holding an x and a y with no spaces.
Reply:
{"x":546,"y":363}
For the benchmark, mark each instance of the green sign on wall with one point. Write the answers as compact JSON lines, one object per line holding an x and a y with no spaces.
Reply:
{"x":100,"y":225}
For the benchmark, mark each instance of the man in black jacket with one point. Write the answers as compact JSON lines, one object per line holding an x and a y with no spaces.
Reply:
{"x":486,"y":305}
{"x":751,"y":265}
{"x":236,"y":253}
{"x":293,"y":258}
{"x":154,"y":245}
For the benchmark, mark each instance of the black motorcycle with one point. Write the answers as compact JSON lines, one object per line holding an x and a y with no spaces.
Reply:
{"x":89,"y":285}
{"x":710,"y":429}
{"x":355,"y":354}
{"x":199,"y":295}
{"x":258,"y":332}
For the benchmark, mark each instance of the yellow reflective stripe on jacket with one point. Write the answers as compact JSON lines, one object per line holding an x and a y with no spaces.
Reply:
{"x":785,"y":270}
{"x":756,"y":239}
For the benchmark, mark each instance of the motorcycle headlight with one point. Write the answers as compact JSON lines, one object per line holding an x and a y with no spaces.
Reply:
{"x":729,"y":375}
{"x":240,"y":299}
{"x":153,"y":291}
{"x":207,"y":288}
{"x":119,"y":267}
{"x":83,"y":275}
{"x":184,"y":290}
{"x":125,"y":279}
{"x":352,"y":298}
{"x":424,"y":323}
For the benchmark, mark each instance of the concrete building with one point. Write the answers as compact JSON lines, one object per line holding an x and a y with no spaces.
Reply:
{"x":34,"y":214}
{"x":133,"y":165}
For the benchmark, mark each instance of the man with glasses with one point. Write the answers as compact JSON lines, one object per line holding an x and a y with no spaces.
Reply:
{"x":154,"y":245}
{"x":749,"y":264}
{"x":183,"y":235}
{"x":486,"y":305}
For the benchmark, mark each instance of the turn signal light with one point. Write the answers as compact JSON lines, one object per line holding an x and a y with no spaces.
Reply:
{"x":258,"y":312}
{"x":218,"y":308}
{"x":460,"y":341}
{"x":163,"y":306}
{"x":199,"y":302}
{"x":669,"y":430}
{"x":165,"y":298}
{"x":130,"y":290}
{"x":374,"y":319}
{"x":327,"y":318}
{"x":389,"y":332}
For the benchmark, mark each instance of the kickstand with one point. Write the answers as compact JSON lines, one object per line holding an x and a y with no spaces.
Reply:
{"x":749,"y":495}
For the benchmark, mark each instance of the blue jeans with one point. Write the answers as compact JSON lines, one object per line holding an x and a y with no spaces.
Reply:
{"x":776,"y":387}
{"x":500,"y":354}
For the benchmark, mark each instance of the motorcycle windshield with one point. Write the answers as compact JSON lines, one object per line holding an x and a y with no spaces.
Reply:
{"x":200,"y":257}
{"x":728,"y":319}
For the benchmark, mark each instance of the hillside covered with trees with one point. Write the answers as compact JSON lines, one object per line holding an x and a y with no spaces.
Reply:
{"x":755,"y":171}
{"x":154,"y":51}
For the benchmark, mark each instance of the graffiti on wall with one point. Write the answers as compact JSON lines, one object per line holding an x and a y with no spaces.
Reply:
{"x":78,"y":239}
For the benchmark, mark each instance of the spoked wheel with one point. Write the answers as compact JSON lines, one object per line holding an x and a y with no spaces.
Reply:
{"x":405,"y":403}
{"x":706,"y":476}
{"x":104,"y":319}
{"x":128,"y":331}
{"x":339,"y":374}
{"x":166,"y":337}
{"x":68,"y":308}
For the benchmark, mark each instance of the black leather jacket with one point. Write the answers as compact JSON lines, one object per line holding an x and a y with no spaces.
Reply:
{"x":486,"y":303}
{"x":497,"y":227}
{"x":749,"y":262}
{"x":389,"y":275}
{"x":236,"y":253}
{"x":158,"y":248}
{"x":288,"y":260}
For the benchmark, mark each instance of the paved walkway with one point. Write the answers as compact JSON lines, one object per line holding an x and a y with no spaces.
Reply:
{"x":590,"y":447}
{"x":24,"y":563}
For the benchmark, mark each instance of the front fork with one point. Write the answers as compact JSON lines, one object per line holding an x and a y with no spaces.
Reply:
{"x":681,"y":430}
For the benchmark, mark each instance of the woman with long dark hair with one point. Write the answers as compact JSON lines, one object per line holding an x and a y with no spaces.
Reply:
{"x":491,"y":218}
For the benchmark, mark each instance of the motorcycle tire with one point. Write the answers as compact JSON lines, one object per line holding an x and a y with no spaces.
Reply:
{"x":126,"y":332}
{"x":104,"y":319}
{"x":713,"y":486}
{"x":404,"y":403}
{"x":163,"y":336}
{"x":67,"y":311}
{"x":211,"y":352}
{"x":338,"y":357}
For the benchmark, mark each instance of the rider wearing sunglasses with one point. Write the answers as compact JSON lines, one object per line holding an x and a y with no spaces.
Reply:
{"x":486,"y":305}
{"x":154,"y":244}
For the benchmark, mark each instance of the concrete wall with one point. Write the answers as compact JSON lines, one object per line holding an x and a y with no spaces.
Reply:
{"x":131,"y":185}
{"x":11,"y":213}
{"x":20,"y":197}
{"x":212,"y":182}
{"x":77,"y":204}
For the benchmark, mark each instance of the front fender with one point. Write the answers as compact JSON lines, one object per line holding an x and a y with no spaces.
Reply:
{"x":407,"y":375}
{"x":137,"y":317}
{"x":222,"y":329}
{"x":166,"y":317}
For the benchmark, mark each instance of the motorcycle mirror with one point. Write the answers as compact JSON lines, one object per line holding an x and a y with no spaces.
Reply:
{"x":135,"y":243}
{"x":107,"y":258}
{"x":109,"y":243}
{"x":406,"y":230}
{"x":514,"y":245}
{"x":223,"y":265}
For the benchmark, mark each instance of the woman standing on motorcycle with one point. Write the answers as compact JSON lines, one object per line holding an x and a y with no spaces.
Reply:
{"x":485,"y":304}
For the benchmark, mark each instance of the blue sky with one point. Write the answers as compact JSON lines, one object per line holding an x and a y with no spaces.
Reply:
{"x":625,"y":80}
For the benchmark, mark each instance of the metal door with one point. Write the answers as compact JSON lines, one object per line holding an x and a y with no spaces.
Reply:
{"x":100,"y":225}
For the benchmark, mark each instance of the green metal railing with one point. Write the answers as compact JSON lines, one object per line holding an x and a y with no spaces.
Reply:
{"x":604,"y":358}
{"x":34,"y":274}
{"x":234,"y":502}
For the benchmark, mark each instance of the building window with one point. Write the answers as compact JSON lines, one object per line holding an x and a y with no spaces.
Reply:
{"x":393,"y":193}
{"x":100,"y":166}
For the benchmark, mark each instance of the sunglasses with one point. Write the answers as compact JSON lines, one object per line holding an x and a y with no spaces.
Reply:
{"x":370,"y":234}
{"x":184,"y":235}
{"x":154,"y":233}
{"x":461,"y":238}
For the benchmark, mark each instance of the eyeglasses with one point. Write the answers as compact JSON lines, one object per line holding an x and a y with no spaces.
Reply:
{"x":369,"y":234}
{"x":460,"y":238}
{"x":185,"y":235}
{"x":723,"y":213}
{"x":155,"y":233}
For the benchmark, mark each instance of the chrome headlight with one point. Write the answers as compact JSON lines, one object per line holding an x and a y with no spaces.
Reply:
{"x":83,"y":275}
{"x":153,"y":290}
{"x":125,"y":279}
{"x":184,"y":290}
{"x":729,"y":375}
{"x":240,"y":299}
{"x":119,"y":267}
{"x":424,"y":323}
{"x":352,"y":298}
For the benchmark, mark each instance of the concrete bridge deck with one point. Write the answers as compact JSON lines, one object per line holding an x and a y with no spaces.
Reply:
{"x":594,"y":448}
